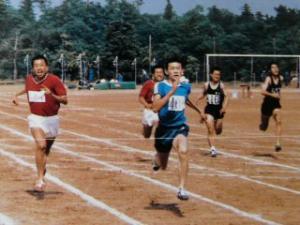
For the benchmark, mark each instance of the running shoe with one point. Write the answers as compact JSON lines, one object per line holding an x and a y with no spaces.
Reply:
{"x":213,"y":152}
{"x":40,"y":186}
{"x":182,"y":195}
{"x":278,"y":148}
{"x":155,"y":166}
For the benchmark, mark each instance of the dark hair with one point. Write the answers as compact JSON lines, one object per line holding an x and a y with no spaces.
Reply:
{"x":214,"y":69}
{"x":38,"y":57}
{"x":269,"y":73}
{"x":156,"y":67}
{"x":174,"y":60}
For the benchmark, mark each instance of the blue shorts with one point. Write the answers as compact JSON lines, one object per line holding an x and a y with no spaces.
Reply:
{"x":164,"y":137}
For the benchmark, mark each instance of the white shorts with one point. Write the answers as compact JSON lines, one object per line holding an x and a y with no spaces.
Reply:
{"x":149,"y":117}
{"x":49,"y":124}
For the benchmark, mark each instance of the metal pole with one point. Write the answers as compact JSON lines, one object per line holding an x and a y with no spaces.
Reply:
{"x":298,"y":85}
{"x":98,"y":66}
{"x":150,"y":52}
{"x":207,"y":68}
{"x":62,"y":67}
{"x":234,"y":77}
{"x":251,"y":72}
{"x":15,"y":73}
{"x":27,"y":64}
{"x":135,"y":70}
{"x":117,"y":69}
{"x":80,"y":66}
{"x":204,"y":68}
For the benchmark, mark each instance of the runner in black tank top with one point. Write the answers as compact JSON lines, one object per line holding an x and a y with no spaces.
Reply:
{"x":217,"y":100}
{"x":271,"y":104}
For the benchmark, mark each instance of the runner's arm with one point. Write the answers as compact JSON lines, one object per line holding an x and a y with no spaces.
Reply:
{"x":190,"y":104}
{"x":144,"y":102}
{"x":159,"y":101}
{"x":202,"y":94}
{"x":61,"y":99}
{"x":15,"y":100}
{"x":226,"y":100}
{"x":194,"y":107}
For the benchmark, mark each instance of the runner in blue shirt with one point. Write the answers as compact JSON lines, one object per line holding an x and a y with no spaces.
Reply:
{"x":170,"y":99}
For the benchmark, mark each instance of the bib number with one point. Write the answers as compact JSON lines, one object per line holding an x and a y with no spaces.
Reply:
{"x":214,"y":99}
{"x":176,"y":103}
{"x":36,"y":96}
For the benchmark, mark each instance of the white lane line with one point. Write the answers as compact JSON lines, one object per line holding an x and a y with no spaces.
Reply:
{"x":87,"y":198}
{"x":169,"y":187}
{"x":139,"y":136}
{"x":277,"y":177}
{"x":246,"y":158}
{"x":194,"y":166}
{"x":5,"y":220}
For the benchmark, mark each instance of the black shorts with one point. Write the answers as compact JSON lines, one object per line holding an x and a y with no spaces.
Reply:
{"x":164,"y":137}
{"x":267,"y":108}
{"x":214,"y":112}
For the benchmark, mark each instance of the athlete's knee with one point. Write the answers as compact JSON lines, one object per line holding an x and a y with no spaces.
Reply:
{"x":211,"y":130}
{"x":264,"y":123}
{"x":278,"y":122}
{"x":42,"y":145}
{"x":263,"y":126}
{"x":219,"y":130}
{"x":164,"y":163}
{"x":183,"y":152}
{"x":147,"y":132}
{"x":164,"y":166}
{"x":147,"y":135}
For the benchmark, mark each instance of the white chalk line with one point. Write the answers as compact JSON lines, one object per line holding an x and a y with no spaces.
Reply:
{"x":87,"y":198}
{"x":246,"y":158}
{"x":6,"y":220}
{"x":199,"y":137}
{"x":194,"y":166}
{"x":172,"y":188}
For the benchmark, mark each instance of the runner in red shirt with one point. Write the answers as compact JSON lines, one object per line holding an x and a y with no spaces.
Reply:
{"x":150,"y":118}
{"x":44,"y":92}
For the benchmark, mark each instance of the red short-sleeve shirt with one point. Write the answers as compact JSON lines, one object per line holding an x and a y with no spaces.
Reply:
{"x":40,"y":103}
{"x":147,"y":91}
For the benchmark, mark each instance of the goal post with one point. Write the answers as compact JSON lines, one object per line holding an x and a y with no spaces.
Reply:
{"x":252,"y":57}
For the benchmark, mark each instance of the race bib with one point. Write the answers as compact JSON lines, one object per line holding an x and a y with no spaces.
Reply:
{"x":36,"y":96}
{"x":177,"y":103}
{"x":213,"y":99}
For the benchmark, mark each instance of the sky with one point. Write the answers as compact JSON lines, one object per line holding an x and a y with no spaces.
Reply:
{"x":181,"y":6}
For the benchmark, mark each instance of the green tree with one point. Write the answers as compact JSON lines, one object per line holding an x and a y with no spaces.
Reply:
{"x":3,"y":17}
{"x":169,"y":13}
{"x":26,"y":10}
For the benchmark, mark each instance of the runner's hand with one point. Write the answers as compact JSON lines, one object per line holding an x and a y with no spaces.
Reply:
{"x":149,"y":106}
{"x":276,"y":95}
{"x":15,"y":100}
{"x":222,"y":111}
{"x":203,"y":118}
{"x":175,"y":84}
{"x":46,"y":90}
